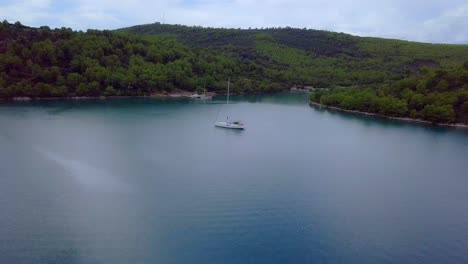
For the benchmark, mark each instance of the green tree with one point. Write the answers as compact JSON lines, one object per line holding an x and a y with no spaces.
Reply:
{"x":442,"y":86}
{"x":439,"y":113}
{"x":110,"y":91}
{"x":74,"y":79}
{"x":44,"y":52}
{"x":82,"y":90}
{"x":94,"y":89}
{"x":416,"y":102}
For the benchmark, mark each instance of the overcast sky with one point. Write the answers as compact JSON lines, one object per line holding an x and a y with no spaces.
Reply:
{"x":441,"y":21}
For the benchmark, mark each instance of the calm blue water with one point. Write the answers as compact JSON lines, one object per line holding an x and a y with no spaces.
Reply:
{"x":153,"y":181}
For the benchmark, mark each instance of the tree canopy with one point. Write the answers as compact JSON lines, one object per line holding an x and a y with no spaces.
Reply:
{"x":439,"y":96}
{"x":43,"y":63}
{"x":155,"y":58}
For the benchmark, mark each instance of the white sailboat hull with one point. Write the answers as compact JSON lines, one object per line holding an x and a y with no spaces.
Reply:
{"x":229,"y":125}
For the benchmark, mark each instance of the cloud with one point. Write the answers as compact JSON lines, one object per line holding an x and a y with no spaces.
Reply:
{"x":450,"y":26}
{"x":429,"y":21}
{"x":27,"y":11}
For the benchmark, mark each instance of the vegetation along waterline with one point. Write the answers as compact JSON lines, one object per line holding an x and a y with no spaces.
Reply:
{"x":393,"y":78}
{"x":142,"y":60}
{"x":438,"y":96}
{"x":402,"y":119}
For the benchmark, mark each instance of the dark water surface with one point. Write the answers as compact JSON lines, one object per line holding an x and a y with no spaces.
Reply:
{"x":153,"y":181}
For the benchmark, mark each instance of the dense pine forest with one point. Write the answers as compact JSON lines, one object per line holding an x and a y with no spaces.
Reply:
{"x":61,"y":62}
{"x":437,"y":95}
{"x":290,"y":56}
{"x":415,"y":79}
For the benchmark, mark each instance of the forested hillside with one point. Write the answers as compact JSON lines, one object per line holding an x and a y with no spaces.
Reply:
{"x":313,"y":57}
{"x":44,"y":63}
{"x":156,"y":58}
{"x":438,"y":95}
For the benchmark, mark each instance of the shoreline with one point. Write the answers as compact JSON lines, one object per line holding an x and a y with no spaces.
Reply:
{"x":156,"y":95}
{"x":402,"y":119}
{"x":187,"y":95}
{"x":175,"y":95}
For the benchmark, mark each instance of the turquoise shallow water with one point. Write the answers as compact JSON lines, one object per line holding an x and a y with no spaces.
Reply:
{"x":153,"y":181}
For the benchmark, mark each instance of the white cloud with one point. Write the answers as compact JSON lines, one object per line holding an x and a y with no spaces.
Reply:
{"x":26,"y":11}
{"x":430,"y":20}
{"x":450,"y":26}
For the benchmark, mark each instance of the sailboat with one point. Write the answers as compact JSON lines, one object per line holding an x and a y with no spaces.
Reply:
{"x":227,"y":123}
